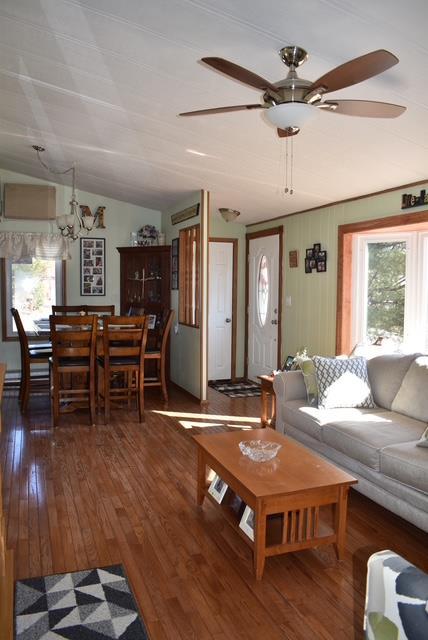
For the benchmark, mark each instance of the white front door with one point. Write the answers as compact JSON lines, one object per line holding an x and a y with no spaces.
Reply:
{"x":220,"y":310}
{"x":263,"y":303}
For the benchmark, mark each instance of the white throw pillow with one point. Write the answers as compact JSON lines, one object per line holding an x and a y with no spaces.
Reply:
{"x":343,"y":383}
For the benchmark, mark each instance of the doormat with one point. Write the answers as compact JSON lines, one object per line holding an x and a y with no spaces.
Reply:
{"x":237,"y":389}
{"x":96,"y":604}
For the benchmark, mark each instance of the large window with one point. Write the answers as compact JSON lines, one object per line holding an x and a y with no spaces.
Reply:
{"x":390,"y":280}
{"x":32,"y":286}
{"x":190,"y":248}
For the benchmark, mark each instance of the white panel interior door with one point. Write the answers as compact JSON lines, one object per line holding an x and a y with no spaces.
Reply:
{"x":263,"y":301}
{"x":220,"y":311}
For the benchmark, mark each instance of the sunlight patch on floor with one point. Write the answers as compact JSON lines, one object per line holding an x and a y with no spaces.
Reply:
{"x":191,"y":424}
{"x":207,"y":416}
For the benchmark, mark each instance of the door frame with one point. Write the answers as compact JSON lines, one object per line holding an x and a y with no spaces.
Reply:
{"x":234,"y":242}
{"x":279,"y":231}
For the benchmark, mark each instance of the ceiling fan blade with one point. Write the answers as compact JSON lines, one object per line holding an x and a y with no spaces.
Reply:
{"x":365,"y":108}
{"x":206,"y":112}
{"x":354,"y":71}
{"x":286,"y":133}
{"x":239,"y":73}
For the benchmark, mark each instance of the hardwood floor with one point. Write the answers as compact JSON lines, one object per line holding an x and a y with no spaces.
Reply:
{"x":80,"y":496}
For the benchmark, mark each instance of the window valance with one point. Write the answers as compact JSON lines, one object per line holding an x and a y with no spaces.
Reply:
{"x":50,"y":246}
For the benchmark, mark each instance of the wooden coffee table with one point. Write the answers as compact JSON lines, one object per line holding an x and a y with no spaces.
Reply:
{"x":286,"y":494}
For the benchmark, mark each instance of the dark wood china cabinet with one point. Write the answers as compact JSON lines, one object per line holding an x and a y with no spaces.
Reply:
{"x":145,"y":280}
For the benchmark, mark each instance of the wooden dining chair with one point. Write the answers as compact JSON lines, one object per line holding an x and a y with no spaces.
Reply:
{"x":66,"y":309}
{"x":124,"y":345}
{"x":104,"y":309}
{"x":73,"y":352}
{"x":158,"y":353}
{"x":31,"y":354}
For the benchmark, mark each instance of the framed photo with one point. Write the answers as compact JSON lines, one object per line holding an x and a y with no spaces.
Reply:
{"x":289,"y":361}
{"x":308,"y":268}
{"x":186,"y":214}
{"x":217,"y":488}
{"x":309,"y":253}
{"x":152,"y":321}
{"x":322,"y":255}
{"x":174,"y":247}
{"x":237,"y":505}
{"x":316,"y":248}
{"x":174,"y":263}
{"x":247,"y":523}
{"x":92,"y":267}
{"x":321,"y":266}
{"x":293,"y":259}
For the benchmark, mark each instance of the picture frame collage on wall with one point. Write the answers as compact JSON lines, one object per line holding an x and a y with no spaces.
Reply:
{"x":218,"y":490}
{"x":174,"y":263}
{"x":316,"y":259}
{"x":92,"y":267}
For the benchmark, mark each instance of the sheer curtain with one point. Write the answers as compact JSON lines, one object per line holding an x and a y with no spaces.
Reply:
{"x":18,"y":245}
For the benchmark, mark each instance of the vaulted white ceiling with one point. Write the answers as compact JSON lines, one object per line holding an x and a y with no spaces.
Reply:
{"x":101,"y":82}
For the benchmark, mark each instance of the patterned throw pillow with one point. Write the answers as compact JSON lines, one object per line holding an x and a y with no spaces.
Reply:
{"x":423,"y":442}
{"x":307,"y":367}
{"x":343,"y":383}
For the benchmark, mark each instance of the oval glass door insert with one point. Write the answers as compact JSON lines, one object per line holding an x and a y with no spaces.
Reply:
{"x":263,"y":290}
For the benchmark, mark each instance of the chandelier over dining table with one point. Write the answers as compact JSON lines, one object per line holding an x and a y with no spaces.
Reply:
{"x":72,"y":225}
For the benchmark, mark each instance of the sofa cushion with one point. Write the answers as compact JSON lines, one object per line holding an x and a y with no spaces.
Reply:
{"x":311,"y":420}
{"x":386,"y":374}
{"x":363,"y":438}
{"x":412,"y":396}
{"x":406,"y":463}
{"x":343,"y":382}
{"x":298,"y":414}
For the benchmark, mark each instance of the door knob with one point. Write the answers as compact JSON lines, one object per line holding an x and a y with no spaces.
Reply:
{"x":228,"y":320}
{"x":274,"y":321}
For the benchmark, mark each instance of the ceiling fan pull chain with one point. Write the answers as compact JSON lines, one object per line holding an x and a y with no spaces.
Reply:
{"x":286,"y":166}
{"x":291,"y":167}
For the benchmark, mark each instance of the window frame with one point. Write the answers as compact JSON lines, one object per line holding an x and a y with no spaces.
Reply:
{"x":359,"y":280}
{"x":189,"y":276}
{"x":346,"y":233}
{"x":7,"y":334}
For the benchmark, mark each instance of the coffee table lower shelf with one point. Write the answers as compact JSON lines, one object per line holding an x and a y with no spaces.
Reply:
{"x":283,"y":524}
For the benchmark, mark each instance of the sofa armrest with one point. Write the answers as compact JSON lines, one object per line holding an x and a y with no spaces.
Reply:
{"x":289,"y":385}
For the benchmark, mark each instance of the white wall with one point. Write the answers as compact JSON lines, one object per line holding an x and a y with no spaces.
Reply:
{"x":310,"y":321}
{"x":120,"y":219}
{"x":185,"y":341}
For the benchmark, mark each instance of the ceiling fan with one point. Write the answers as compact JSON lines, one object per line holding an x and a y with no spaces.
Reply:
{"x":294,"y":101}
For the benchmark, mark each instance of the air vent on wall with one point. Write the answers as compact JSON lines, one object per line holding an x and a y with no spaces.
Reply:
{"x":29,"y":202}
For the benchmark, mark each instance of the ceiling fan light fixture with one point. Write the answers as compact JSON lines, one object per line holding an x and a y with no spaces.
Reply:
{"x":229,"y":215}
{"x":291,"y":114}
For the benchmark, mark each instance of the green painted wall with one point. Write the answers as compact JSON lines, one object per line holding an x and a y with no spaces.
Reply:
{"x":311,"y":319}
{"x":221,"y":229}
{"x":120,"y":219}
{"x":185,"y":341}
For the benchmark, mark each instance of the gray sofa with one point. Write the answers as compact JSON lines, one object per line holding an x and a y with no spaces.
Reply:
{"x":377,"y":446}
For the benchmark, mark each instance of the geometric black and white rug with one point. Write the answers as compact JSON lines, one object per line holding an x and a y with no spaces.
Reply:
{"x":96,"y":604}
{"x":237,"y":389}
